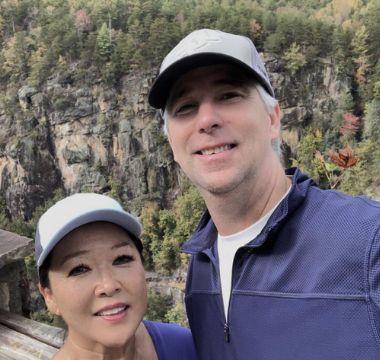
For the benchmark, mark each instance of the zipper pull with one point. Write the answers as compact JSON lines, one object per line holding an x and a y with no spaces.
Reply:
{"x":226,"y":333}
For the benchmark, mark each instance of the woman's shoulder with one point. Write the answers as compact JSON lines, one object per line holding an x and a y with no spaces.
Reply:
{"x":171,"y":340}
{"x":167,"y":328}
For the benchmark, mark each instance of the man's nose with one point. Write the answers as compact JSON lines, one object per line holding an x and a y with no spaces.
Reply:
{"x":209,"y":118}
{"x":107,"y":285}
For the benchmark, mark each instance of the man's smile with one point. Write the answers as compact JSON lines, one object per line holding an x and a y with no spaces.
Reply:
{"x":215,"y":149}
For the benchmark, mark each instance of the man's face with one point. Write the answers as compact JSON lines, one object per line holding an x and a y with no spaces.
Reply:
{"x":219,"y":129}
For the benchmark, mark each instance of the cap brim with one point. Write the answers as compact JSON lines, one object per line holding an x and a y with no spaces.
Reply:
{"x":160,"y":90}
{"x":123,"y":219}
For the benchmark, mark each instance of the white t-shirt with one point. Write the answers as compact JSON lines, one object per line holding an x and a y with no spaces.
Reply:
{"x":227,"y":247}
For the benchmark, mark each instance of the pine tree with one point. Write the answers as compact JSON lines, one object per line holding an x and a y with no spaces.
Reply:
{"x":103,"y":42}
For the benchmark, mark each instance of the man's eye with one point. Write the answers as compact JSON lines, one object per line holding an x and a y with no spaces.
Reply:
{"x":184,"y":109}
{"x":78,"y":270}
{"x":123,"y":259}
{"x":230,"y":95}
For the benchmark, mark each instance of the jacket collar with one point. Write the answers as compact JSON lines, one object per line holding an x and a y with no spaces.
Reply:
{"x":205,"y":234}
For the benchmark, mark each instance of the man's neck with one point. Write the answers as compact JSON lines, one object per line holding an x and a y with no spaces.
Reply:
{"x":240,"y":208}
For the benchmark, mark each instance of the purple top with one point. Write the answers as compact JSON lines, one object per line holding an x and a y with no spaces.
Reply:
{"x":171,"y":341}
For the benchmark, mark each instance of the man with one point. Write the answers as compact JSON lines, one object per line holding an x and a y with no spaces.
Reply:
{"x":280,"y":269}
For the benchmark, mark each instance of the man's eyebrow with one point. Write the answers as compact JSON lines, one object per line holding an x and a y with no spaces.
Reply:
{"x":232,"y":82}
{"x":183,"y":90}
{"x":177,"y":95}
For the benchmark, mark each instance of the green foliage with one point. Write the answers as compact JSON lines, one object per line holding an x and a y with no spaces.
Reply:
{"x":294,"y":58}
{"x":16,"y":54}
{"x":291,"y":27}
{"x":364,"y":178}
{"x":151,"y":235}
{"x":103,"y":42}
{"x":161,"y":308}
{"x":372,"y":119}
{"x":177,"y":314}
{"x":158,"y":306}
{"x":116,"y":188}
{"x":343,"y":53}
{"x":107,"y":39}
{"x":309,"y":144}
{"x":166,"y":230}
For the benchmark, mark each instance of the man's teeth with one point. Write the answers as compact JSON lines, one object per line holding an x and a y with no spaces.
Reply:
{"x":111,"y":311}
{"x":216,"y":150}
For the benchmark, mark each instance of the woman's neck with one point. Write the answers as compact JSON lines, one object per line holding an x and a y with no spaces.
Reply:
{"x":140,"y":347}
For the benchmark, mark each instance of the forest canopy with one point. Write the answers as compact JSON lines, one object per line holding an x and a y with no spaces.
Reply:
{"x":113,"y":37}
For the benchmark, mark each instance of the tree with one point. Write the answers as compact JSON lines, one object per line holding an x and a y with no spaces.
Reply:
{"x":294,"y":58}
{"x":350,"y":125}
{"x":372,"y":119}
{"x":16,"y":54}
{"x":103,"y":43}
{"x":360,"y":45}
{"x":83,"y":22}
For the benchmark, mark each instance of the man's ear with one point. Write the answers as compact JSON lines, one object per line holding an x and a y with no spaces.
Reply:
{"x":170,"y":143}
{"x":275,"y":118}
{"x":49,"y":300}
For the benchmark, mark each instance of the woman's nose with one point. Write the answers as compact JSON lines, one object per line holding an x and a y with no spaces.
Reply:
{"x":108,"y":285}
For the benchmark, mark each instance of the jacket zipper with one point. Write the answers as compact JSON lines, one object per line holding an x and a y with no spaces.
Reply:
{"x":226,"y":333}
{"x":226,"y":328}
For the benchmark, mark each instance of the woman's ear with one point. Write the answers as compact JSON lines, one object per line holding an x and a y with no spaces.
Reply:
{"x":49,"y":300}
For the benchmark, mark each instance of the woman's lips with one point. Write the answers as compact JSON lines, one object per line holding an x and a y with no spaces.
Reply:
{"x":113,"y":314}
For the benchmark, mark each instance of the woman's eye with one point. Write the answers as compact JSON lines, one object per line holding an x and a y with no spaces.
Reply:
{"x":123,"y":259}
{"x":78,"y":270}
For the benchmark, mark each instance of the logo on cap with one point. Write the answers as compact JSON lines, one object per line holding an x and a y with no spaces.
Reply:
{"x":191,"y":45}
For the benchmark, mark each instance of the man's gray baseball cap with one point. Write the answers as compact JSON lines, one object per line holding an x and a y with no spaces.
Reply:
{"x":75,"y":211}
{"x":207,"y":47}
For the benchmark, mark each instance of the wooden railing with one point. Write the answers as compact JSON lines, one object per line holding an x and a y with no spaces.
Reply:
{"x":22,"y":338}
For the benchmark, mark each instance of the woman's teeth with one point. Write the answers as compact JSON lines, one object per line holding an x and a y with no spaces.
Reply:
{"x":111,"y":311}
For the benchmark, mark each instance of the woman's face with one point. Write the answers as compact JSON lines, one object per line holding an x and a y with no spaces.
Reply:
{"x":97,"y":284}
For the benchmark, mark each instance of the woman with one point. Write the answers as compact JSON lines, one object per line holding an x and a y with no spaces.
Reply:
{"x":88,"y":254}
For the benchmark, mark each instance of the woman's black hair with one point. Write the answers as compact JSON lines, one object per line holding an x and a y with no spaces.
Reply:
{"x":43,"y":272}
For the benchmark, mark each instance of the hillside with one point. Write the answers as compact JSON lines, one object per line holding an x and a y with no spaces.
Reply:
{"x":74,"y":78}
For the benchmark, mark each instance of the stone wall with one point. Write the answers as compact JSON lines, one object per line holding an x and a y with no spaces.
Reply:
{"x":14,"y":286}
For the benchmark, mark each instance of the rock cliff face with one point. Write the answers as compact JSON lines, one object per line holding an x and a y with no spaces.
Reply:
{"x":92,"y":137}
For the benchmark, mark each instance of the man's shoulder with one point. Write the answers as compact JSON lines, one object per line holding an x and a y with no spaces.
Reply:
{"x":336,"y":201}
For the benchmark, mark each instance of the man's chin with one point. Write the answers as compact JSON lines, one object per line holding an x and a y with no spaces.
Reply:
{"x":218,"y":189}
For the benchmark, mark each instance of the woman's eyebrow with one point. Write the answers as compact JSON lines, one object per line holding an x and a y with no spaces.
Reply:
{"x":121,"y":244}
{"x":72,"y":255}
{"x":83,"y":252}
